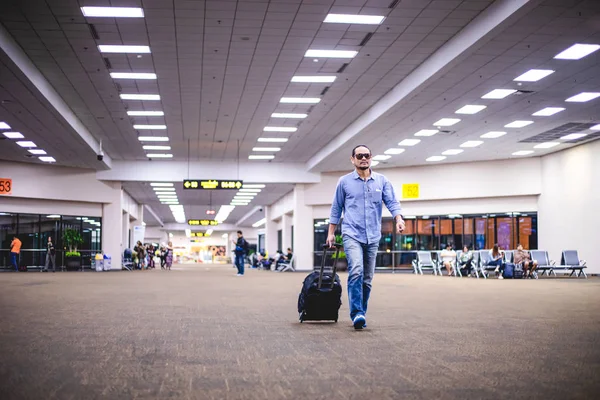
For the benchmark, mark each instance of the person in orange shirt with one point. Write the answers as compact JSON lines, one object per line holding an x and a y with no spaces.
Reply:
{"x":15,"y":249}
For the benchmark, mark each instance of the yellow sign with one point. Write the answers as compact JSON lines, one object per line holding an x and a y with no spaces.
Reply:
{"x":212,"y":184}
{"x":410,"y":190}
{"x":5,"y":186}
{"x":202,"y":222}
{"x":199,"y":234}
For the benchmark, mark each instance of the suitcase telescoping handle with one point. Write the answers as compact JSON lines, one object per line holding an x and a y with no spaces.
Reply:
{"x":326,"y":247}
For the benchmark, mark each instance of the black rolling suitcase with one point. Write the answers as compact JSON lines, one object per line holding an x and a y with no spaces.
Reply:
{"x":321,"y":295}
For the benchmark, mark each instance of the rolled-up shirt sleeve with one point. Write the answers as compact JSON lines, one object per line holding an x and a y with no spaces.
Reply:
{"x":337,"y":206}
{"x":390,"y":200}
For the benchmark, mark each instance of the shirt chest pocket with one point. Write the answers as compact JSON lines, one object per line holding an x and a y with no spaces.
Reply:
{"x":375,"y":196}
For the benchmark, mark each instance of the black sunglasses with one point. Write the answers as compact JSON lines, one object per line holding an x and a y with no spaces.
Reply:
{"x":360,"y":156}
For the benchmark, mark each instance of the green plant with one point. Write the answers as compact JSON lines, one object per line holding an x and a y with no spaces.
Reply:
{"x":72,"y":238}
{"x":338,"y":240}
{"x":72,"y":254}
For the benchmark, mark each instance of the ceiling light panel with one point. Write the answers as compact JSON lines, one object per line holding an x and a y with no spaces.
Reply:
{"x":583,"y":97}
{"x":522,"y":152}
{"x":145,"y":113}
{"x":288,"y":115}
{"x":313,"y":79}
{"x":260,"y":157}
{"x":157,"y":127}
{"x":470,"y":109}
{"x":381,"y":157}
{"x":47,"y":159}
{"x":498,"y":94}
{"x":410,"y":142}
{"x":452,"y":152}
{"x":426,"y":132}
{"x":164,"y":189}
{"x":161,"y":184}
{"x":159,"y":155}
{"x":153,"y":138}
{"x":577,"y":51}
{"x":546,"y":145}
{"x":548,"y":111}
{"x":472,"y":143}
{"x":435,"y":158}
{"x":37,"y":151}
{"x":4,"y":125}
{"x":518,"y":124}
{"x":446,"y":122}
{"x":574,"y":136}
{"x":595,"y":127}
{"x":354,"y":19}
{"x":394,"y":151}
{"x":26,"y":143}
{"x":13,"y":135}
{"x":113,"y":12}
{"x":132,"y":75}
{"x":279,"y":129}
{"x":272,"y":140}
{"x":244,"y":189}
{"x":300,"y":100}
{"x":534,"y":75}
{"x":254,"y":185}
{"x":266,"y":148}
{"x":493,"y":135}
{"x":374,"y":163}
{"x":150,"y":97}
{"x":123,"y":49}
{"x":331,"y":53}
{"x":151,"y":147}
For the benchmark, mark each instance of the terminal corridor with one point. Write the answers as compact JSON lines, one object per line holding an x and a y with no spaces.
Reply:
{"x":200,"y":332}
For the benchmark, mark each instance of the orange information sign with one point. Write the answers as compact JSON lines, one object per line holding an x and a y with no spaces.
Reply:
{"x":5,"y":186}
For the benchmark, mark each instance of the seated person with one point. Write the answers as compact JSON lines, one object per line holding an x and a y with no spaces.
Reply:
{"x":465,"y":261}
{"x":289,"y":255}
{"x":523,"y":256}
{"x":496,"y":259}
{"x":448,"y":258}
{"x":284,"y":259}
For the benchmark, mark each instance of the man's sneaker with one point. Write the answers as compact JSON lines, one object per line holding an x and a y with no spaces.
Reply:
{"x":238,"y":275}
{"x":359,"y":322}
{"x":500,"y":277}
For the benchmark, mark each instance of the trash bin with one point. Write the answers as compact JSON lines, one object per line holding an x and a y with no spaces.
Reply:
{"x":107,"y":262}
{"x":99,"y":262}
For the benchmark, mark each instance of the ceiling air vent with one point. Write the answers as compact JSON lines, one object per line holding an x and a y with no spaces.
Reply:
{"x":94,"y":32}
{"x":107,"y":63}
{"x":325,"y":90}
{"x":119,"y":87}
{"x":394,"y":3}
{"x":367,"y":37}
{"x":522,"y":92}
{"x":342,"y":68}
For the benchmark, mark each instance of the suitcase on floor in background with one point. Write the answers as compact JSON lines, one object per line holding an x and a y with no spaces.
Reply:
{"x":509,"y":271}
{"x":518,"y":271}
{"x":321,"y":295}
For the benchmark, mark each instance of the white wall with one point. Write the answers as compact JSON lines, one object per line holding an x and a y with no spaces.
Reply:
{"x":43,"y":206}
{"x":568,"y":217}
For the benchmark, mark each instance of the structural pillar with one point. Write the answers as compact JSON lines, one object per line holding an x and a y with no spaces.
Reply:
{"x":270,"y":232}
{"x":112,"y":225}
{"x":286,"y":233}
{"x":303,"y":231}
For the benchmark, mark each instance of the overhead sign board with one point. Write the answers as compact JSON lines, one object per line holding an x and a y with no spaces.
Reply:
{"x":5,"y":186}
{"x":199,"y":234}
{"x":212,"y":184}
{"x":203,"y":222}
{"x":410,"y":191}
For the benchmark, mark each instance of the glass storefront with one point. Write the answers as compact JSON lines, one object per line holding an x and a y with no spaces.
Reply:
{"x":432,"y":232}
{"x":34,"y":229}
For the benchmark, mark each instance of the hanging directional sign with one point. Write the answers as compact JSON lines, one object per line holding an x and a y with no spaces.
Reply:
{"x":203,"y":222}
{"x":199,"y":234}
{"x":212,"y":184}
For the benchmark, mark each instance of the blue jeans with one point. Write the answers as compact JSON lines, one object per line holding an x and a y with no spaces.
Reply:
{"x":361,"y":268}
{"x":239,"y":263}
{"x":13,"y":260}
{"x":497,"y":263}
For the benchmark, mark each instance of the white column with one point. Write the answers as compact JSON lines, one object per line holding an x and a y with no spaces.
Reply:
{"x":125,"y":230}
{"x":112,"y":226}
{"x":303,"y":231}
{"x":286,"y":233}
{"x":270,"y":232}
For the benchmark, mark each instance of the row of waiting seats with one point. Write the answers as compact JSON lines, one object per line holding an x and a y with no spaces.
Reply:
{"x":569,"y":262}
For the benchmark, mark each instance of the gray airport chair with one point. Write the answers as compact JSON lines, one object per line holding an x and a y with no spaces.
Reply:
{"x":424,"y":261}
{"x":543,"y":261}
{"x":288,"y":266}
{"x":508,"y":256}
{"x":476,"y":263}
{"x":569,"y":260}
{"x":484,"y":259}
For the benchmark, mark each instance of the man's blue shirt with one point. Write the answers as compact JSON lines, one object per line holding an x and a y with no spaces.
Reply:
{"x":361,"y":203}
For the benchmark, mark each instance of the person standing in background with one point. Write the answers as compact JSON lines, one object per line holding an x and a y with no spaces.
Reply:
{"x":50,"y":256}
{"x":169,"y":256}
{"x":15,"y":249}
{"x":241,"y":247}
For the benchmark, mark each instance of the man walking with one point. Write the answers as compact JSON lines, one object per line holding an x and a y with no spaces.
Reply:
{"x":241,"y":247}
{"x":359,"y":195}
{"x":15,"y":249}
{"x":50,"y":256}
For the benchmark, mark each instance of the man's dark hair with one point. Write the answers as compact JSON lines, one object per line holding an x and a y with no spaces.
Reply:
{"x":360,"y":145}
{"x":239,"y":232}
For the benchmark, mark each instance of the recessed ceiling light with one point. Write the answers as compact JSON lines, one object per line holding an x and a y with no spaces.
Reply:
{"x":279,"y":129}
{"x":159,"y":184}
{"x":574,"y":136}
{"x":548,"y":111}
{"x":577,"y":51}
{"x":132,"y":75}
{"x":436,"y":158}
{"x":150,"y":147}
{"x":446,"y":122}
{"x":452,"y":152}
{"x":260,"y":157}
{"x":166,"y":195}
{"x":410,"y":142}
{"x":140,"y":127}
{"x":426,"y":132}
{"x":583,"y":97}
{"x":37,"y":151}
{"x":164,"y":189}
{"x":266,"y":148}
{"x":115,"y":12}
{"x":254,"y":185}
{"x":381,"y":158}
{"x":595,"y":127}
{"x":123,"y":49}
{"x":288,"y":115}
{"x":300,"y":100}
{"x":394,"y":151}
{"x":159,"y":155}
{"x":4,"y":125}
{"x":272,"y":140}
{"x":470,"y":109}
{"x":153,"y":138}
{"x":331,"y":53}
{"x":493,"y":135}
{"x":145,"y":113}
{"x":313,"y":79}
{"x":471,"y":143}
{"x":140,"y":96}
{"x":354,"y":19}
{"x":244,"y":189}
{"x":522,"y":152}
{"x":498,"y":94}
{"x":47,"y":159}
{"x":13,"y":135}
{"x":546,"y":145}
{"x":534,"y":75}
{"x":26,"y":143}
{"x":518,"y":124}
{"x":374,"y":163}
